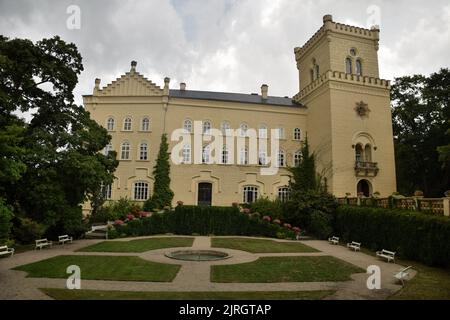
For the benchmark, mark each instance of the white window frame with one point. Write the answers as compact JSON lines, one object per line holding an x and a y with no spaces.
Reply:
{"x":284,"y":193}
{"x":125,"y":151}
{"x":243,"y":132}
{"x":281,"y":158}
{"x":187,"y":125}
{"x":128,"y":124}
{"x":145,"y":125}
{"x":110,"y":124}
{"x":143,"y":152}
{"x":140,"y":191}
{"x":297,"y":158}
{"x":254,"y":190}
{"x":297,"y":134}
{"x":262,"y":131}
{"x":108,"y":149}
{"x":206,"y":127}
{"x":186,"y":154}
{"x":243,"y":157}
{"x":206,"y":155}
{"x":225,"y":155}
{"x":225,"y":127}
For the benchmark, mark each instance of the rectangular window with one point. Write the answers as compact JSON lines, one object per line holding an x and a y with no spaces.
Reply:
{"x":141,"y":191}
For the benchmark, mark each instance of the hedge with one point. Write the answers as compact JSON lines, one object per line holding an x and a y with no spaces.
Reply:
{"x":188,"y":220}
{"x":413,"y":235}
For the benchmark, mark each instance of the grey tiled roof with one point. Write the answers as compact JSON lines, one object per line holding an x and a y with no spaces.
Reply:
{"x":233,"y":97}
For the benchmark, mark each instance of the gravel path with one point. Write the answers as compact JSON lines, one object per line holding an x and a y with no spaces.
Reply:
{"x":195,"y":276}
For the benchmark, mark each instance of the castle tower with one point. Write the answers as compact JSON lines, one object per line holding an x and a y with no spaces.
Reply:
{"x":349,"y":119}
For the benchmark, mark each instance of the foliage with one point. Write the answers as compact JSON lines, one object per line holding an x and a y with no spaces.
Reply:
{"x":266,"y":207}
{"x":52,"y":164}
{"x":413,"y":235}
{"x":420,"y":112}
{"x":304,"y":176}
{"x":202,"y":220}
{"x":26,"y":231}
{"x":162,"y":194}
{"x":6,"y":216}
{"x":321,"y":225}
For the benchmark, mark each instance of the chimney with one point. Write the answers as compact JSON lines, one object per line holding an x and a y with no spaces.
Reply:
{"x":264,"y":91}
{"x":183,"y":86}
{"x":133,"y":66}
{"x":166,"y":86}
{"x":97,"y":86}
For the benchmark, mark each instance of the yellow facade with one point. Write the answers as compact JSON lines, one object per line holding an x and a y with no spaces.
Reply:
{"x":345,"y":113}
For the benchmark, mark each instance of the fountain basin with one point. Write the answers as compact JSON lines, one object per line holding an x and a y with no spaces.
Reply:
{"x":198,"y":255}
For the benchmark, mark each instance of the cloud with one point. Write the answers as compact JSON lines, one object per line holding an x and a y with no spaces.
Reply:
{"x":227,"y":45}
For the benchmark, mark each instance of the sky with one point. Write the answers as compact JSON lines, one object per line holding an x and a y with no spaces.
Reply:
{"x":226,"y":45}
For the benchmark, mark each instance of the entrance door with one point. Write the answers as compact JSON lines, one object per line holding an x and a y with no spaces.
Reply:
{"x":364,"y":188}
{"x":204,"y":194}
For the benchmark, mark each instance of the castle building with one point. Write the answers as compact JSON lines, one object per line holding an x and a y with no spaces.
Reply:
{"x":342,"y":106}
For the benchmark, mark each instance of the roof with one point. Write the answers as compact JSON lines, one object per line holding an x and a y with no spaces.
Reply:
{"x":233,"y":97}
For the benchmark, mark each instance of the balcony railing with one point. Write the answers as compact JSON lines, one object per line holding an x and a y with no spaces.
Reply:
{"x":366,"y":169}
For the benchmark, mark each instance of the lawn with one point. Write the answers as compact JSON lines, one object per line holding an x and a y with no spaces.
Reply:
{"x":103,"y":268}
{"x":140,"y":245}
{"x":260,"y":245}
{"x":285,"y":269}
{"x":64,"y":294}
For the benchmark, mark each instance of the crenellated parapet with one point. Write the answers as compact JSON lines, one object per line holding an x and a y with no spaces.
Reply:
{"x":329,"y":26}
{"x":344,"y":78}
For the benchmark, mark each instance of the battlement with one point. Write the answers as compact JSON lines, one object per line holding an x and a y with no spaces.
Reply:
{"x":329,"y":26}
{"x":342,"y":77}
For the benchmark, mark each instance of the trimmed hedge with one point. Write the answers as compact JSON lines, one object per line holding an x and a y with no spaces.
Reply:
{"x":188,"y":220}
{"x":416,"y":236}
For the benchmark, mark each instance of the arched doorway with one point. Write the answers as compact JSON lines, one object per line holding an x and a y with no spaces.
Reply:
{"x":364,"y":187}
{"x":204,"y":194}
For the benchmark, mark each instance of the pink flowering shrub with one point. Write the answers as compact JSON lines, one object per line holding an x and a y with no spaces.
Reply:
{"x":144,"y":214}
{"x":130,"y":217}
{"x":118,"y":222}
{"x":277,"y":221}
{"x":267,"y":218}
{"x":287,"y":226}
{"x":296,"y":230}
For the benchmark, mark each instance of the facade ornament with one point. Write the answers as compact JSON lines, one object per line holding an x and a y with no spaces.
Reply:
{"x":362,"y":109}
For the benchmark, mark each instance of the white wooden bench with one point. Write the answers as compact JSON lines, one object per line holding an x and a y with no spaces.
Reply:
{"x":4,"y":251}
{"x":333,"y":240}
{"x":388,"y":255}
{"x":354,"y":246}
{"x":65,"y":238}
{"x":42,"y":243}
{"x":403,"y":274}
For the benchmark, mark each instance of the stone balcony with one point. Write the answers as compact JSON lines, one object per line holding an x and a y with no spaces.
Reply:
{"x":366,"y":169}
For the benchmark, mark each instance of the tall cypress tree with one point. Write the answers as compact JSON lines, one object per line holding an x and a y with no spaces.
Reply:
{"x":304,"y":175}
{"x":162,"y":194}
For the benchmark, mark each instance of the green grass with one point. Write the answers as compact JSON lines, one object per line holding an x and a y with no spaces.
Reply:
{"x":103,"y":268}
{"x":285,"y":269}
{"x":64,"y":294}
{"x":140,"y":245}
{"x":429,"y":284}
{"x":260,"y":245}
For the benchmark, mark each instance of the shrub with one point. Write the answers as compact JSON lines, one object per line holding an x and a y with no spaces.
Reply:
{"x":122,"y":207}
{"x":413,"y":235}
{"x":321,"y":225}
{"x":27,"y":231}
{"x":267,"y":207}
{"x":6,"y":216}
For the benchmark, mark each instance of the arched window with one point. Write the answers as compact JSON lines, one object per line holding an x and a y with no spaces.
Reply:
{"x":244,"y":129}
{"x":187,"y":126}
{"x":110,"y":124}
{"x":145,"y":124}
{"x":125,"y":151}
{"x":311,"y":74}
{"x":226,"y":128}
{"x":143,"y":151}
{"x":141,"y":191}
{"x":359,"y":70}
{"x":297,"y":158}
{"x":225,"y":154}
{"x":368,"y":153}
{"x":186,"y":153}
{"x":317,"y":69}
{"x":108,"y":149}
{"x":348,"y":66}
{"x":281,"y":158}
{"x":250,"y":194}
{"x":359,"y":153}
{"x":243,"y":156}
{"x":206,"y":127}
{"x":127,"y":124}
{"x":263,"y":131}
{"x":206,"y":155}
{"x":284,"y":193}
{"x":297,"y":134}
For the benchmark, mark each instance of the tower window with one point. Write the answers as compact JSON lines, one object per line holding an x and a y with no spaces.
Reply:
{"x":348,"y":66}
{"x":317,"y":71}
{"x":359,"y":67}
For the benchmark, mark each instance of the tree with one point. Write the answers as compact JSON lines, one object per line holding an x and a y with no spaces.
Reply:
{"x":420,"y":111}
{"x":59,"y":149}
{"x":162,"y":194}
{"x":304,"y":176}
